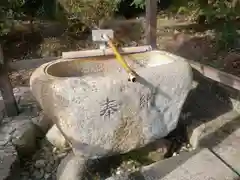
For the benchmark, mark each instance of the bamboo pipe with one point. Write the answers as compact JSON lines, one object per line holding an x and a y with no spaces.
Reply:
{"x":120,"y":59}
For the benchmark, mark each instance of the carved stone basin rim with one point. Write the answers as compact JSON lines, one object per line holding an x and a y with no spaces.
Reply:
{"x":66,"y":68}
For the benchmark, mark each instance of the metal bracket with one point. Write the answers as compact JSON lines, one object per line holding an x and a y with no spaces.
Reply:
{"x":98,"y":36}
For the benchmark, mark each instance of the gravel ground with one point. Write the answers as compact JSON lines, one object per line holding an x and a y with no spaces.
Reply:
{"x":43,"y":164}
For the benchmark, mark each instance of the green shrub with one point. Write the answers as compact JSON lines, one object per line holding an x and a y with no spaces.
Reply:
{"x":139,"y":3}
{"x":220,"y":13}
{"x":89,"y":12}
{"x":9,"y":10}
{"x":226,"y":35}
{"x":213,"y":10}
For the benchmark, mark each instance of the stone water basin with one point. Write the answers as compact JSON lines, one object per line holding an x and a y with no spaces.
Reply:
{"x":100,"y":113}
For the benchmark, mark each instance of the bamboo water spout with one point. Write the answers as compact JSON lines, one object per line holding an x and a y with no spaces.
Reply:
{"x":120,"y":59}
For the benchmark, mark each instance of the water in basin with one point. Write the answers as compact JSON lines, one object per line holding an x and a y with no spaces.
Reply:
{"x":106,"y":64}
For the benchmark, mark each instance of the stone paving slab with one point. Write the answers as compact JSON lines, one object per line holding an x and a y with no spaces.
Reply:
{"x":215,"y":124}
{"x":229,"y":150}
{"x":197,"y":165}
{"x":208,"y":134}
{"x":209,"y":115}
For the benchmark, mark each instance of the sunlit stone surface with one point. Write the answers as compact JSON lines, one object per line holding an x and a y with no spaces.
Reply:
{"x":100,"y":112}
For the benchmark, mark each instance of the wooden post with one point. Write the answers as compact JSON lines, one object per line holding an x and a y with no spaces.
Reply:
{"x":151,"y":23}
{"x":6,"y":89}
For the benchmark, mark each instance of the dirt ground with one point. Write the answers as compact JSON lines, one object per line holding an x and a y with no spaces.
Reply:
{"x":176,"y":35}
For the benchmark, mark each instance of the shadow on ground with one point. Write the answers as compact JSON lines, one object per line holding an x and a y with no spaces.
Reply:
{"x":205,"y":103}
